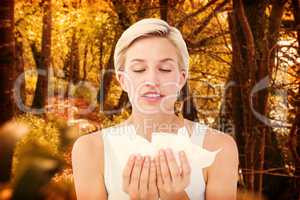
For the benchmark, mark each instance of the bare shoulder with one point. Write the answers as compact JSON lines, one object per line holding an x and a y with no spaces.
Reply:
{"x":88,"y":145}
{"x":228,"y":156}
{"x":222,"y":176}
{"x":215,"y":139}
{"x":88,"y":142}
{"x":87,"y":165}
{"x":88,"y":149}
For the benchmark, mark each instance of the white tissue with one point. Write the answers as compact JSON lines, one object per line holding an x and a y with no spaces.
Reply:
{"x":125,"y":146}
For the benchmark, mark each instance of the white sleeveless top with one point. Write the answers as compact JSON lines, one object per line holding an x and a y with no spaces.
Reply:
{"x":113,"y":171}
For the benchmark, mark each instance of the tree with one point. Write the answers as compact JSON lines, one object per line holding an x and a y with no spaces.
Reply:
{"x":43,"y":60}
{"x":71,"y":64}
{"x":123,"y":23}
{"x":254,"y":36}
{"x":294,"y":136}
{"x":7,"y":60}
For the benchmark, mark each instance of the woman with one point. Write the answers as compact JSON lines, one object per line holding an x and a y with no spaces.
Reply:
{"x":151,"y":63}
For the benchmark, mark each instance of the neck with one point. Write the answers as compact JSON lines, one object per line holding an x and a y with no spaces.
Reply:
{"x":146,"y":124}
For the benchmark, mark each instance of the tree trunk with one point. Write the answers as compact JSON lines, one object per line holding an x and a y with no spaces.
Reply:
{"x":189,"y":111}
{"x":84,"y":65}
{"x":20,"y":66}
{"x":41,"y":91}
{"x":106,"y":79}
{"x":294,"y":137}
{"x":163,"y":8}
{"x":74,"y":62}
{"x":296,"y":11}
{"x":250,"y":43}
{"x":7,"y":60}
{"x":107,"y":74}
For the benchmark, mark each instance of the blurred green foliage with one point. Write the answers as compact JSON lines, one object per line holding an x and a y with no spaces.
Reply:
{"x":43,"y":134}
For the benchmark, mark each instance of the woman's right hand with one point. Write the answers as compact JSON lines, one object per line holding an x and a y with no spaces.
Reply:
{"x":139,"y":178}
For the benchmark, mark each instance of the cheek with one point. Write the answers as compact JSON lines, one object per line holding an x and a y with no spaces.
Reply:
{"x":170,"y":85}
{"x":133,"y":84}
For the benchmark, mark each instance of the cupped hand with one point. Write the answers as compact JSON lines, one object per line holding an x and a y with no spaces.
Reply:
{"x":139,"y":178}
{"x":171,"y":178}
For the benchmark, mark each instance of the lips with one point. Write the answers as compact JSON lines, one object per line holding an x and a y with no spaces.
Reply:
{"x":152,"y":94}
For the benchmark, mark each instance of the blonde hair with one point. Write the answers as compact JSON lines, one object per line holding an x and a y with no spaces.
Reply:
{"x":151,"y":27}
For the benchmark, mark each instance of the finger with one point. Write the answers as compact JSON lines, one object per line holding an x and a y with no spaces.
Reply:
{"x":172,"y":164}
{"x":158,"y":172}
{"x":152,"y":177}
{"x":136,"y":172}
{"x":185,"y":165}
{"x":128,"y":170}
{"x":164,"y":168}
{"x":143,"y":183}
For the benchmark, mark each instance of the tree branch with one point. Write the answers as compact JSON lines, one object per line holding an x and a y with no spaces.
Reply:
{"x":193,"y":14}
{"x":248,"y":34}
{"x":206,"y":40}
{"x":206,"y":21}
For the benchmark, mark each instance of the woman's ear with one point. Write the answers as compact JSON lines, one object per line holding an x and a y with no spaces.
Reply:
{"x":121,"y":78}
{"x":183,"y":78}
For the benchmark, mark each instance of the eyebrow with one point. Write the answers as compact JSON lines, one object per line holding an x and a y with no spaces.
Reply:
{"x":137,"y":60}
{"x":167,"y":59}
{"x":161,"y":61}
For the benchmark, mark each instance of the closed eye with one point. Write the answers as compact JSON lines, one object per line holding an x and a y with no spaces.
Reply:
{"x":139,"y":70}
{"x":165,"y":70}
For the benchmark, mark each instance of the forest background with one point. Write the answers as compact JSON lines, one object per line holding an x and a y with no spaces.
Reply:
{"x":57,"y":82}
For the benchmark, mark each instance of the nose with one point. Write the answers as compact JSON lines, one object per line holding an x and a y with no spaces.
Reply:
{"x":152,"y":78}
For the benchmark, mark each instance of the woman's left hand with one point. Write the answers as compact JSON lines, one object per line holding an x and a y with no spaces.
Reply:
{"x":171,"y":178}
